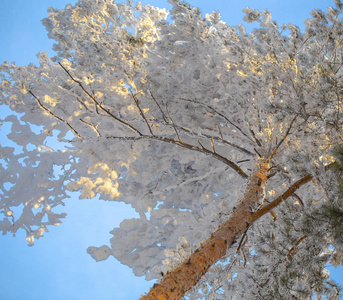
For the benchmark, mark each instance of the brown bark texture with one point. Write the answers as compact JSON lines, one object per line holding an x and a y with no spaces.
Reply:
{"x":181,"y":279}
{"x":178,"y":281}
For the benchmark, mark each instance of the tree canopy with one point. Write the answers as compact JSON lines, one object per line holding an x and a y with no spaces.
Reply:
{"x":227,"y":143}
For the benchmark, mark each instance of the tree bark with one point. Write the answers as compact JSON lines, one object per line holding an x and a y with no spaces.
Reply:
{"x":178,"y":281}
{"x":268,"y":208}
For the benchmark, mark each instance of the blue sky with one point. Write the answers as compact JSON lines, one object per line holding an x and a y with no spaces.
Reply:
{"x":58,"y":267}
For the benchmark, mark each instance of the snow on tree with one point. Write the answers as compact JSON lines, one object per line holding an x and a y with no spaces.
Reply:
{"x":223,"y":141}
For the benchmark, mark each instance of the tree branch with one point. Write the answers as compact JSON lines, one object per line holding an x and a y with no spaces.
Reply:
{"x":219,"y":114}
{"x":212,"y":143}
{"x":293,"y":250}
{"x":55,"y":116}
{"x":273,"y":215}
{"x":163,"y":115}
{"x":172,"y":122}
{"x":92,"y":126}
{"x":290,"y":191}
{"x":181,"y":279}
{"x":98,"y":104}
{"x":188,"y":146}
{"x":255,"y":138}
{"x":216,"y":138}
{"x":283,"y":139}
{"x":141,"y":112}
{"x":298,"y":198}
{"x":202,"y":146}
{"x":220,"y":139}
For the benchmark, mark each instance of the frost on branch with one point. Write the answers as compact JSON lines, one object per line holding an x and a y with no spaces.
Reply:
{"x":172,"y":117}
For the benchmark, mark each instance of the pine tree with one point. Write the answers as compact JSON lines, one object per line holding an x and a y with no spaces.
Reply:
{"x":226,"y":143}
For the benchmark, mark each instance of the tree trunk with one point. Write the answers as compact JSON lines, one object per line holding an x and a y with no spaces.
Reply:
{"x":178,"y":281}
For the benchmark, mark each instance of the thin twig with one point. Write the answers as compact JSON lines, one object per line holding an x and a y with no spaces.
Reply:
{"x":243,"y":240}
{"x":259,"y":155}
{"x":92,"y":126}
{"x":163,"y":115}
{"x":242,"y":161}
{"x":141,"y":112}
{"x":55,"y":116}
{"x":212,"y":142}
{"x":220,"y":132}
{"x":98,"y":104}
{"x":218,"y":113}
{"x":244,"y":258}
{"x":283,"y":139}
{"x":173,"y":122}
{"x":217,"y":139}
{"x":255,"y":139}
{"x":273,"y":214}
{"x":271,"y":175}
{"x":298,"y":198}
{"x":293,"y":250}
{"x":83,"y":104}
{"x":202,"y":146}
{"x":241,"y":245}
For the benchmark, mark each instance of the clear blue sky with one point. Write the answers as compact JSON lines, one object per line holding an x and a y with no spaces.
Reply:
{"x":58,"y":267}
